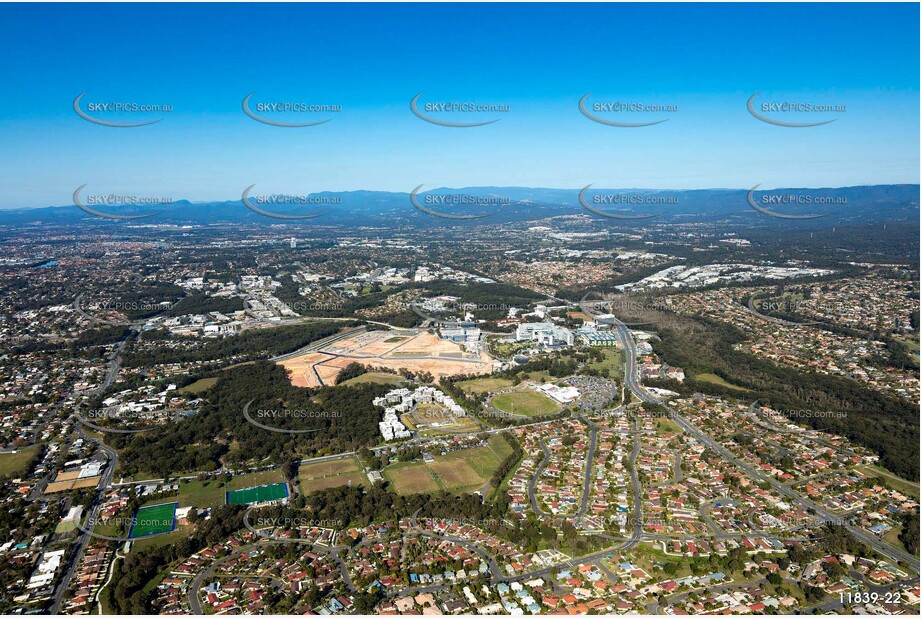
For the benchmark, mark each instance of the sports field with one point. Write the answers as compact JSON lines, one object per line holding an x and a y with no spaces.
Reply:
{"x":255,"y":495}
{"x":465,"y":470}
{"x":485,"y":385}
{"x":151,"y":520}
{"x":458,"y":471}
{"x":411,"y":478}
{"x":333,"y":473}
{"x":431,"y":419}
{"x":212,"y":492}
{"x":524,"y":403}
{"x":68,"y":481}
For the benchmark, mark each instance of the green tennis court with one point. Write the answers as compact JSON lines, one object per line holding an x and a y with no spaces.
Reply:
{"x":155,"y":519}
{"x":255,"y":495}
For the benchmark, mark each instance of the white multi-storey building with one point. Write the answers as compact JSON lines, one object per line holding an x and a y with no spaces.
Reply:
{"x":402,"y":400}
{"x":544,"y":333}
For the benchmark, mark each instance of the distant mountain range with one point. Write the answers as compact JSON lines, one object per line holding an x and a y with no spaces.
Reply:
{"x":515,"y":204}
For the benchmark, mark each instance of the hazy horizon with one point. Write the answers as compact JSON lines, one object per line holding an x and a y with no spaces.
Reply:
{"x":370,"y":64}
{"x":762,"y":188}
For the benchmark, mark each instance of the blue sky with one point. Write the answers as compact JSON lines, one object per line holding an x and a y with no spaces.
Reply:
{"x":372,"y":59}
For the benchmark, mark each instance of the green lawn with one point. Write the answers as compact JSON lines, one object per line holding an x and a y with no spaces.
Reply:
{"x":485,"y":385}
{"x":712,"y":378}
{"x":14,"y":464}
{"x":911,"y":342}
{"x":460,"y":471}
{"x":201,"y":494}
{"x":481,"y":460}
{"x":117,"y":527}
{"x":373,"y":377}
{"x":325,"y":474}
{"x":410,"y":478}
{"x":151,"y":520}
{"x":503,"y":449}
{"x":433,"y":420}
{"x":892,"y":480}
{"x":212,"y":492}
{"x":524,"y":403}
{"x":892,"y":537}
{"x":158,"y":540}
{"x":256,"y":495}
{"x":613,"y":363}
{"x":352,"y":479}
{"x":65,"y":526}
{"x":507,"y":349}
{"x":500,"y":446}
{"x":646,"y":556}
{"x":199,"y":386}
{"x":667,"y":425}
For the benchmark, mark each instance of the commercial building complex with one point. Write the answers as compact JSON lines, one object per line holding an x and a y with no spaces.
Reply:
{"x":544,"y":333}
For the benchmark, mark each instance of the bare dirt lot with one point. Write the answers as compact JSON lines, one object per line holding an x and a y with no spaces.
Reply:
{"x":301,"y":368}
{"x":416,"y":351}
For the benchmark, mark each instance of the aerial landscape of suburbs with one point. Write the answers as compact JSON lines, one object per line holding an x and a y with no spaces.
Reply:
{"x":351,"y":389}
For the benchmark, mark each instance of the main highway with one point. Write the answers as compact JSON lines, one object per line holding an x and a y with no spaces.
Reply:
{"x":630,"y":377}
{"x":79,"y":545}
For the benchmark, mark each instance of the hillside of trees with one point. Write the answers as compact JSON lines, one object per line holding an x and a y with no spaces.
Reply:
{"x":882,"y":423}
{"x":255,"y":344}
{"x":125,"y":594}
{"x":202,"y":303}
{"x":341,"y":419}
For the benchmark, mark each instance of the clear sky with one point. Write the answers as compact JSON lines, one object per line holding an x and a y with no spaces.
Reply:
{"x":372,"y":59}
